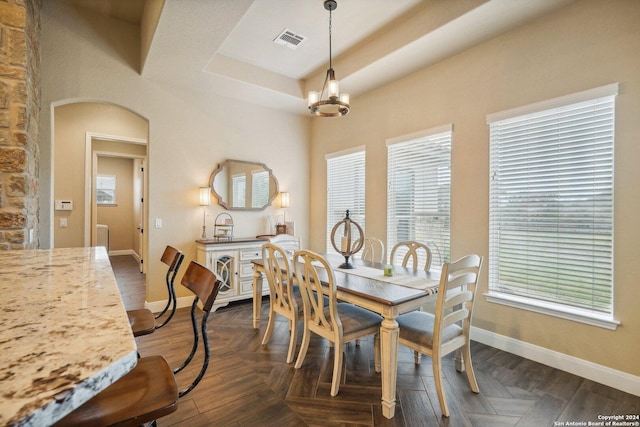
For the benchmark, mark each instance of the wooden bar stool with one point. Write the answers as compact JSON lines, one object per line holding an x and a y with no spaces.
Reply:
{"x":150,"y":391}
{"x":143,"y":321}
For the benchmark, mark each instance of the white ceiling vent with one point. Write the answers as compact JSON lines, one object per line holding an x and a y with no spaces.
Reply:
{"x":289,"y":39}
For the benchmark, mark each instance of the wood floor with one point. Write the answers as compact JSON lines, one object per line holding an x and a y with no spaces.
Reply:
{"x":248,"y":384}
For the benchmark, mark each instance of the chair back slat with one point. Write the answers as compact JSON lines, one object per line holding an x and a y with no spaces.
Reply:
{"x":412,"y":253}
{"x":455,"y":317}
{"x":279,"y":277}
{"x":457,"y":298}
{"x":372,"y":250}
{"x":313,"y":292}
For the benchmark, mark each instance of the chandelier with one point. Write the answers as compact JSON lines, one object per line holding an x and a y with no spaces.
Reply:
{"x":335,"y":104}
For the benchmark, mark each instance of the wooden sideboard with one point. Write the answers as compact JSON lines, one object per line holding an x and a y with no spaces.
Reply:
{"x":231,"y":261}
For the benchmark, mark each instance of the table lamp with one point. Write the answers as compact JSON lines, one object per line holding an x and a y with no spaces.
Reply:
{"x":205,"y":200}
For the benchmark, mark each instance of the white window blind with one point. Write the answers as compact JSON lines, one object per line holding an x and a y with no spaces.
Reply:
{"x":419,"y":187}
{"x":551,"y":204}
{"x":259,"y":188}
{"x":239,"y":192}
{"x":345,"y":190}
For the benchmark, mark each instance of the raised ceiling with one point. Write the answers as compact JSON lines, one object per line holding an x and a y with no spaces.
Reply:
{"x":226,"y":46}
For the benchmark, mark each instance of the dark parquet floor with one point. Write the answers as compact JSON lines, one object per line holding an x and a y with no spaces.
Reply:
{"x":248,"y":384}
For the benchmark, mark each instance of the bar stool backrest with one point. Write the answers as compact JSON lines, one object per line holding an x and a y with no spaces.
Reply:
{"x":204,"y":284}
{"x":173,"y":258}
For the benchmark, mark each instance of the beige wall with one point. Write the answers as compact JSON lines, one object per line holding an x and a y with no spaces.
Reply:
{"x":119,"y":218}
{"x":585,"y":45}
{"x":189,"y":134}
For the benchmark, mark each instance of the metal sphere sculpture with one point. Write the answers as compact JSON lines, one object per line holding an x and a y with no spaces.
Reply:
{"x":351,"y":239}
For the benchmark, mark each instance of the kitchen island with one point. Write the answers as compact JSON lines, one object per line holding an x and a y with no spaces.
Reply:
{"x":64,"y":332}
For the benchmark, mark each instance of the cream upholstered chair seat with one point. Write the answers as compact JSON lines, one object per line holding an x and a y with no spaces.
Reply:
{"x":339,"y":323}
{"x":354,"y":319}
{"x":418,"y":326}
{"x":447,"y":330}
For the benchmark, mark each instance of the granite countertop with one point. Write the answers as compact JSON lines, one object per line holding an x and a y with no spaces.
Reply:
{"x":64,"y":332}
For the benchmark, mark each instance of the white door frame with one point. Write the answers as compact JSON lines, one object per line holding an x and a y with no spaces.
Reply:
{"x":90,"y":172}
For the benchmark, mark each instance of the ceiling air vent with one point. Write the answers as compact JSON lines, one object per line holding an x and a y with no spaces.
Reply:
{"x":289,"y":39}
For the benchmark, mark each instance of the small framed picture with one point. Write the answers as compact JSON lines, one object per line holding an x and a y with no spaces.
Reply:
{"x":281,"y":229}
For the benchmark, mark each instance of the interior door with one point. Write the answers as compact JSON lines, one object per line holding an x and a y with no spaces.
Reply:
{"x":139,"y":192}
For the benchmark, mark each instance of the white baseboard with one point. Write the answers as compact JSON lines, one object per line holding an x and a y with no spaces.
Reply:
{"x":157,"y":306}
{"x":122,"y":252}
{"x":601,"y":374}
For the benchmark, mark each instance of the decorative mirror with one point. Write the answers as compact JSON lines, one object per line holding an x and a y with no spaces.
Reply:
{"x":240,"y":185}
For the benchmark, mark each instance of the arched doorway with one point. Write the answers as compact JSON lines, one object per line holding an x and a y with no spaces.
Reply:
{"x":83,"y":133}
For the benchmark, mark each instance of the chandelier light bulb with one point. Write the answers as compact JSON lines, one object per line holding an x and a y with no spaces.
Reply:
{"x":333,"y":88}
{"x":313,"y":97}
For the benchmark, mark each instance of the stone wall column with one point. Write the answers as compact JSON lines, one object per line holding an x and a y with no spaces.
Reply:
{"x":19,"y":118}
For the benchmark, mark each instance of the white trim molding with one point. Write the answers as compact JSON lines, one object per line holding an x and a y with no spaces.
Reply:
{"x":592,"y":371}
{"x":551,"y":309}
{"x":573,"y":98}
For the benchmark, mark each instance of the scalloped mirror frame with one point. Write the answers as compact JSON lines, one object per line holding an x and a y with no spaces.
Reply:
{"x":220,"y":178}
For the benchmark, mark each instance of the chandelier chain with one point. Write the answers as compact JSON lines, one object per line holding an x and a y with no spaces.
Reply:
{"x":330,"y":65}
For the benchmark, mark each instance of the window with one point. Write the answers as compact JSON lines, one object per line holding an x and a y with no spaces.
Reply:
{"x":106,"y":190}
{"x":345,"y":189}
{"x":551,"y":207}
{"x":419,"y":188}
{"x":260,"y":188}
{"x":239,"y":185}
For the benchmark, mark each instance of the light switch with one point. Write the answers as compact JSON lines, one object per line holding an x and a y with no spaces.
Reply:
{"x":63,"y":222}
{"x":158,"y":222}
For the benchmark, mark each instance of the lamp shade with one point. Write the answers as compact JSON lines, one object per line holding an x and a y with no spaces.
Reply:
{"x":284,"y":199}
{"x":205,"y":196}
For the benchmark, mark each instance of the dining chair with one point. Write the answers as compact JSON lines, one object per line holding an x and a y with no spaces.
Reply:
{"x":372,"y":250}
{"x":283,"y":298}
{"x":143,"y":321}
{"x":447,"y":330}
{"x":411,"y":252}
{"x":150,"y":390}
{"x":287,"y":242}
{"x":338,"y":322}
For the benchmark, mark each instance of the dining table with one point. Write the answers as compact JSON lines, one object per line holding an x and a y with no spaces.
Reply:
{"x":366,"y":286}
{"x":64,"y":332}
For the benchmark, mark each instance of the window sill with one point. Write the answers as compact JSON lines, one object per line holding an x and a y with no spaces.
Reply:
{"x":107,"y":205}
{"x":551,"y":309}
